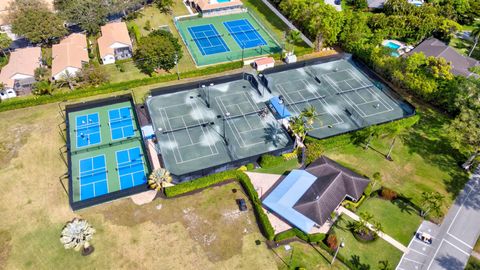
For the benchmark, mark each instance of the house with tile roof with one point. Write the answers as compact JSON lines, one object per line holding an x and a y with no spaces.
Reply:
{"x":69,"y":56}
{"x":216,"y":7}
{"x":18,"y":75}
{"x":460,"y":64}
{"x":115,"y":43}
{"x":306,"y":198}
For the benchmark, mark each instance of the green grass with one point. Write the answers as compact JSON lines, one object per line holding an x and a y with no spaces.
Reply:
{"x":306,"y":256}
{"x":477,"y":246}
{"x":368,"y":253}
{"x":424,"y":159}
{"x":273,"y":23}
{"x":473,"y":264}
{"x":285,"y":167}
{"x":131,"y":72}
{"x":390,"y":215}
{"x":464,"y":47}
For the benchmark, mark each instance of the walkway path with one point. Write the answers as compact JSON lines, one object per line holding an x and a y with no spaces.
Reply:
{"x":287,"y":22}
{"x":382,"y":235}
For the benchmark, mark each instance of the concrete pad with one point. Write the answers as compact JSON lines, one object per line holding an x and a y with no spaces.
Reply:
{"x":263,"y":182}
{"x":144,"y":197}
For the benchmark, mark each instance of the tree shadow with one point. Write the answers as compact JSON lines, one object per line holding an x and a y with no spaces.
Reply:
{"x":405,"y":207}
{"x":357,"y":264}
{"x":273,"y":134}
{"x":430,"y":140}
{"x":450,"y":262}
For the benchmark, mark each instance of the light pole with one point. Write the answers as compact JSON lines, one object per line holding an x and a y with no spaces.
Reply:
{"x":205,"y":91}
{"x":342,"y":244}
{"x":208,"y":93}
{"x":227,"y":114}
{"x":176,"y":64}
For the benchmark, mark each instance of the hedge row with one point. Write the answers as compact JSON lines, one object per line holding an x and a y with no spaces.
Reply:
{"x":269,"y":161}
{"x":294,"y":232}
{"x":28,"y":101}
{"x":243,"y":179}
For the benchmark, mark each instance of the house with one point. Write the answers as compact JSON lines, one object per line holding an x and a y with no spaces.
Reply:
{"x":115,"y":43}
{"x":460,"y":64}
{"x":69,"y":56}
{"x":19,"y":74}
{"x":378,"y":4}
{"x":216,"y":7}
{"x":307,"y":198}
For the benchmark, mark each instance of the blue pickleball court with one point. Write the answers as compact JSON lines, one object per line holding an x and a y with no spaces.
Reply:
{"x":87,"y":130}
{"x":130,"y":168}
{"x":93,"y":177}
{"x":208,"y":39}
{"x":121,"y":123}
{"x":244,"y":34}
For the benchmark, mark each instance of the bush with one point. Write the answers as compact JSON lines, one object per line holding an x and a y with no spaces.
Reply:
{"x":332,"y":241}
{"x":148,"y":25}
{"x":120,"y":67}
{"x":285,"y":235}
{"x":242,"y":168}
{"x":316,"y":237}
{"x":311,"y":238}
{"x":135,"y":32}
{"x":388,"y":194}
{"x":269,"y":161}
{"x":250,"y":166}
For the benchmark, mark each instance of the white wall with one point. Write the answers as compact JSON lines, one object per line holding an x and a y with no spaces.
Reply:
{"x":117,"y":45}
{"x":71,"y":70}
{"x":21,"y":76}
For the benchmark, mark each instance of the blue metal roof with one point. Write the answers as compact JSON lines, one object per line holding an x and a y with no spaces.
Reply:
{"x":281,"y":109}
{"x":286,"y":194}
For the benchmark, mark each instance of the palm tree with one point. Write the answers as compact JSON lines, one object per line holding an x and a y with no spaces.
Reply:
{"x":476,"y":36}
{"x":384,"y":265}
{"x":310,"y":113}
{"x":377,"y":227}
{"x":297,"y":125}
{"x":431,"y":201}
{"x":76,"y":234}
{"x":159,"y":179}
{"x":293,"y":37}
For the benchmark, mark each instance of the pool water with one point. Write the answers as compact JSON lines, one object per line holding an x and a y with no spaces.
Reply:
{"x":223,"y":1}
{"x":394,"y":47}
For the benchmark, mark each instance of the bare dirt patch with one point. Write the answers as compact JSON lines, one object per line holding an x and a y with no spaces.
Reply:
{"x":5,"y":247}
{"x":10,"y":145}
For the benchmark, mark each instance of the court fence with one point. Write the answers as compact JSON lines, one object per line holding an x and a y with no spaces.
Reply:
{"x":77,"y":205}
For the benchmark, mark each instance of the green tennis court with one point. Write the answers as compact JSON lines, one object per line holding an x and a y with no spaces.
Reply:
{"x":225,"y":38}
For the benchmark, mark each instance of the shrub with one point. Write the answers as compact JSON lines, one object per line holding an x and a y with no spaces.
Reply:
{"x":290,"y":156}
{"x":389,"y":194}
{"x":314,"y":151}
{"x":332,"y":241}
{"x":148,"y":25}
{"x":285,"y":235}
{"x":242,"y":168}
{"x":316,"y":237}
{"x":250,"y":166}
{"x":135,"y":31}
{"x":120,"y":67}
{"x":268,"y":161}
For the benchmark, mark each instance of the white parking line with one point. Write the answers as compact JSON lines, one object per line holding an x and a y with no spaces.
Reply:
{"x":410,"y":260}
{"x":459,"y":240}
{"x":461,"y":250}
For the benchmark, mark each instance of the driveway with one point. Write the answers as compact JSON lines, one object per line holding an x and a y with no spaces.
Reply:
{"x":453,"y":241}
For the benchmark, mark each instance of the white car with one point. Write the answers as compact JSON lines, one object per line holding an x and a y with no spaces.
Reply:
{"x":425,"y":237}
{"x":8,"y":93}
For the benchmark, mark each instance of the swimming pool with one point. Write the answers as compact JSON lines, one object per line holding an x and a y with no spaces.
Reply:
{"x":394,"y":47}
{"x":223,"y":1}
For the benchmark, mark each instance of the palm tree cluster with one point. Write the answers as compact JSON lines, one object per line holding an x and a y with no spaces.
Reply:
{"x":76,"y":234}
{"x":302,"y":123}
{"x":362,"y":229}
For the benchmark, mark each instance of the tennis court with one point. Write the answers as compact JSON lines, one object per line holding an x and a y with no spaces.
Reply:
{"x":344,"y":97}
{"x":87,"y":130}
{"x":115,"y":161}
{"x":226,"y":38}
{"x":208,"y":39}
{"x":209,"y":126}
{"x":244,"y":34}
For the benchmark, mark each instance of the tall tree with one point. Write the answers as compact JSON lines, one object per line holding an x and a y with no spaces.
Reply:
{"x":88,"y":14}
{"x":465,"y":128}
{"x":475,"y":34}
{"x":159,"y":50}
{"x":310,"y":114}
{"x":298,"y":127}
{"x":293,"y":37}
{"x":33,"y":20}
{"x":123,"y":6}
{"x":395,"y":130}
{"x":5,"y":42}
{"x":431,"y":201}
{"x":165,"y":6}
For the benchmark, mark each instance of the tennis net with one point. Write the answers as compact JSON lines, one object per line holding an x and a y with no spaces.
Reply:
{"x":129,"y":164}
{"x":207,"y":37}
{"x":232,"y":33}
{"x":306,"y":100}
{"x":355,"y":89}
{"x":204,"y":124}
{"x":242,"y":115}
{"x":93,"y":172}
{"x":120,"y":120}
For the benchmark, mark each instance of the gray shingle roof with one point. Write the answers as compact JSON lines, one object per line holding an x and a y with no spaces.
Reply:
{"x":460,"y":64}
{"x":334,"y":182}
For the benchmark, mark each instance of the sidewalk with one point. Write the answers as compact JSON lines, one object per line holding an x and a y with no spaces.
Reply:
{"x":382,"y":235}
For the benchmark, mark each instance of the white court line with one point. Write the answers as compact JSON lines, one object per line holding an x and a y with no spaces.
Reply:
{"x":410,"y":260}
{"x":209,"y":133}
{"x":438,"y":249}
{"x":374,"y":93}
{"x":80,"y":178}
{"x":170,"y":139}
{"x":414,"y":250}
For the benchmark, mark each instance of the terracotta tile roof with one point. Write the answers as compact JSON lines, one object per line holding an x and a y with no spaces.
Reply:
{"x":264,"y":61}
{"x":70,"y":52}
{"x":22,"y":61}
{"x":213,"y":4}
{"x":112,"y":33}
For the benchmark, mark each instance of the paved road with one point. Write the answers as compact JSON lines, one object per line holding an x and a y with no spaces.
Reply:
{"x":453,"y":241}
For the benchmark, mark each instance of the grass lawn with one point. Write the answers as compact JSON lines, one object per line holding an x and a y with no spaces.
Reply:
{"x":206,"y":229}
{"x":423,"y":160}
{"x":390,"y":215}
{"x":473,"y":264}
{"x":477,"y":246}
{"x":364,"y":253}
{"x":285,"y":167}
{"x":304,"y":255}
{"x":464,"y":46}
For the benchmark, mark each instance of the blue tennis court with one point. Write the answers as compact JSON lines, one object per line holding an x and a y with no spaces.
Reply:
{"x":87,"y":130}
{"x":121,"y":123}
{"x":93,"y":177}
{"x":208,"y":40}
{"x":130,"y":168}
{"x":244,"y":34}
